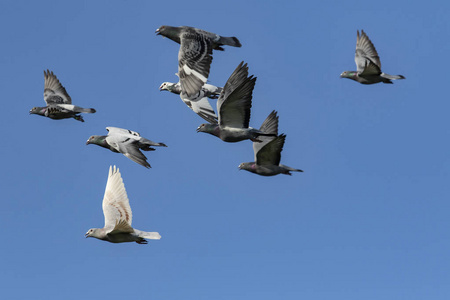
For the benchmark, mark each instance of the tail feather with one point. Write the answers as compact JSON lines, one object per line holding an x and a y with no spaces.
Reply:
{"x":392,"y":77}
{"x":145,"y":144}
{"x":267,"y":134}
{"x":290,"y":169}
{"x":77,"y":109}
{"x":149,"y":235}
{"x":230,"y":41}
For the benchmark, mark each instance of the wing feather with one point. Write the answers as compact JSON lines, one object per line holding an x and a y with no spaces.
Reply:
{"x":116,"y":206}
{"x":366,"y":55}
{"x":235,"y":101}
{"x":270,"y":154}
{"x":54,"y":92}
{"x":194,"y":61}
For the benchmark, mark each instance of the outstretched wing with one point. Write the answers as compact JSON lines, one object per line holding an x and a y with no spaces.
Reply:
{"x":366,"y":56}
{"x":116,"y":206}
{"x":235,"y":101}
{"x":194,"y":61}
{"x":54,"y":92}
{"x":270,"y":125}
{"x":270,"y":154}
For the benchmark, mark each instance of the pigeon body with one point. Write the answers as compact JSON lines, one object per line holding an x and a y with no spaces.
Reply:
{"x":268,"y":152}
{"x":195,"y":54}
{"x":59,"y":104}
{"x":118,"y":215}
{"x":368,"y":63}
{"x":126,"y":142}
{"x":233,"y":107}
{"x":198,"y":103}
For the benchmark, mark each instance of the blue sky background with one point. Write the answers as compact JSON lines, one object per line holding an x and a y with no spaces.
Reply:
{"x":368,"y":219}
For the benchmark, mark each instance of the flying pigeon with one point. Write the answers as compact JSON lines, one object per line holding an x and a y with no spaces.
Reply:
{"x":118,"y":215}
{"x":198,"y":103}
{"x":233,"y":108}
{"x":268,"y":152}
{"x":195,"y":54}
{"x":59,"y":104}
{"x":368,"y":63}
{"x":126,"y":142}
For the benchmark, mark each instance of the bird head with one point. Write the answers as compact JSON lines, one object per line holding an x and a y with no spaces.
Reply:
{"x":36,"y":110}
{"x":246,"y":166}
{"x":165,"y":86}
{"x":93,"y":139}
{"x":90,"y":233}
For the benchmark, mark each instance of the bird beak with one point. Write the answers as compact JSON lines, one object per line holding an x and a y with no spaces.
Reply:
{"x":87,"y":142}
{"x":157,"y":32}
{"x":86,"y":235}
{"x":198,"y":129}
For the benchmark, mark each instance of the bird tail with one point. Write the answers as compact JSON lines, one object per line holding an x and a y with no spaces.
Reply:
{"x":288,"y":170}
{"x":148,"y":235}
{"x":145,"y":144}
{"x":77,"y":109}
{"x":229,"y":41}
{"x":267,"y":134}
{"x":86,"y":110}
{"x":392,"y":77}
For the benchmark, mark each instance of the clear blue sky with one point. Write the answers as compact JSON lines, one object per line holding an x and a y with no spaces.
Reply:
{"x":368,"y":219}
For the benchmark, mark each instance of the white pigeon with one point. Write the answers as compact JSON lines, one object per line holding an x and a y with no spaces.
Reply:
{"x":118,"y":215}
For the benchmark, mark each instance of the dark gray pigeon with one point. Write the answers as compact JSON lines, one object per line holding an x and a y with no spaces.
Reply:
{"x":118,"y":215}
{"x":368,"y":63}
{"x":59,"y":104}
{"x":126,"y":142}
{"x":233,"y":108}
{"x":268,"y":152}
{"x":198,"y":103}
{"x":195,"y":54}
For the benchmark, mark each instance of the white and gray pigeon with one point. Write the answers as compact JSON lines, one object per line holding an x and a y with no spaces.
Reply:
{"x":118,"y":215}
{"x":59,"y":104}
{"x":126,"y":142}
{"x":368,"y":63}
{"x":195,"y":54}
{"x":233,"y":107}
{"x":268,"y":152}
{"x":198,"y":103}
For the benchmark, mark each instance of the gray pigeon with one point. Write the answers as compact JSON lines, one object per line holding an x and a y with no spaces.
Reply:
{"x":198,"y":103}
{"x":233,"y":108}
{"x":268,"y":152}
{"x":59,"y":104}
{"x":368,"y":63}
{"x":118,"y":215}
{"x":195,"y":54}
{"x":126,"y":142}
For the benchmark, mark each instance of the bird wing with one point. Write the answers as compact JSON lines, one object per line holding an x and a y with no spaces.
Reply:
{"x":235,"y":100}
{"x":54,"y":92}
{"x":270,"y":125}
{"x":366,"y":56}
{"x":270,"y":154}
{"x":117,"y":130}
{"x":116,"y":206}
{"x":194,"y":61}
{"x":202,"y":107}
{"x":128,"y":145}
